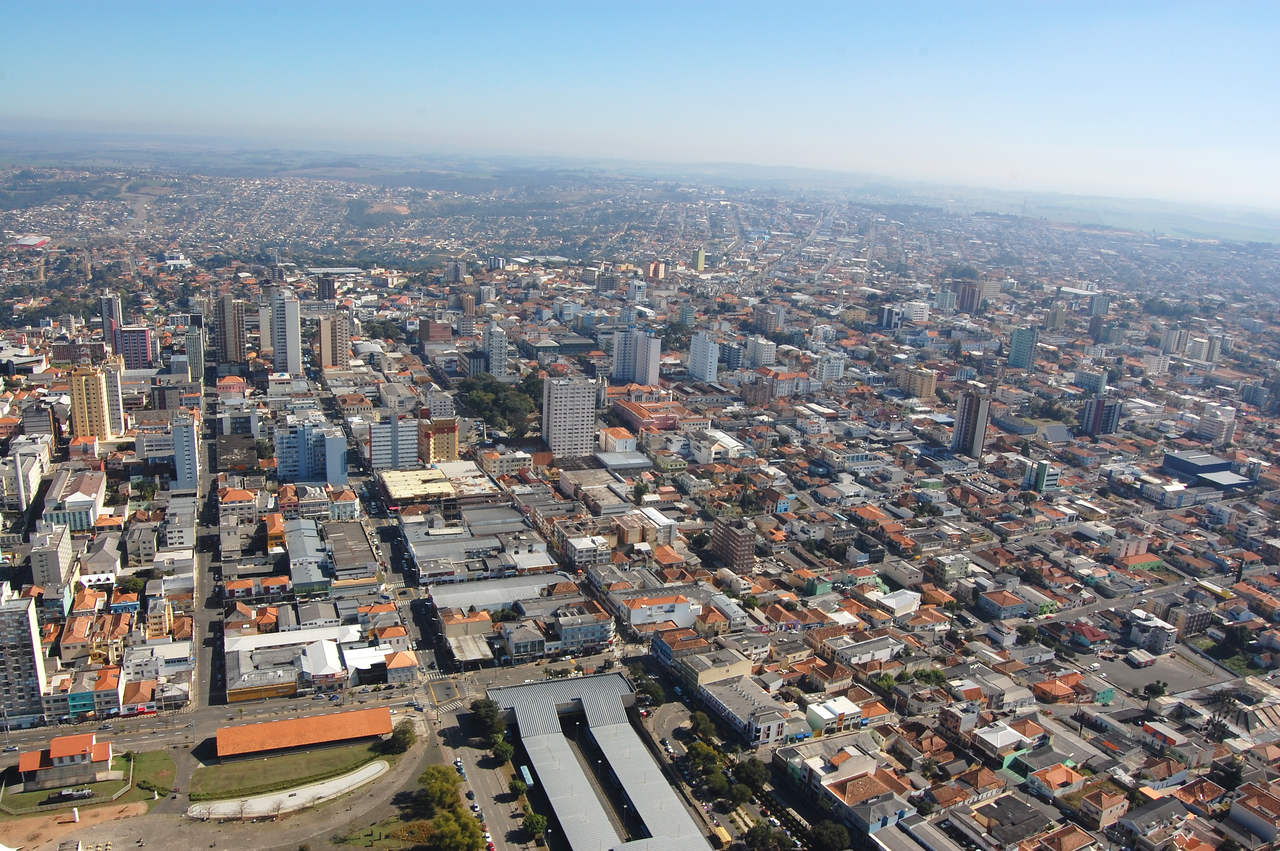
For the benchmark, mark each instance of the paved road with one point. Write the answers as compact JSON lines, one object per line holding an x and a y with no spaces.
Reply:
{"x":502,"y":816}
{"x":289,"y":800}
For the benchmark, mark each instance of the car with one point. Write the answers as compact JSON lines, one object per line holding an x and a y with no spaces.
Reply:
{"x":11,"y":749}
{"x":457,"y":760}
{"x":471,"y":795}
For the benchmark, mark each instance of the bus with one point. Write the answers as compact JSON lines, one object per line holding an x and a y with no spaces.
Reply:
{"x":720,"y":837}
{"x":528,"y":778}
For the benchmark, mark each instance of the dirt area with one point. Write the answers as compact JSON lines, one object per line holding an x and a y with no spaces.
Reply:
{"x":36,"y":832}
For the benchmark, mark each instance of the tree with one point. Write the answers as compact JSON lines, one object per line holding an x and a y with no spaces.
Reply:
{"x":829,"y":836}
{"x":1155,"y":689}
{"x":517,"y":787}
{"x":489,"y":717}
{"x":455,"y":830}
{"x":701,"y":725}
{"x":439,"y":787}
{"x":717,"y":784}
{"x":702,"y":758}
{"x":503,"y":751}
{"x":131,"y":585}
{"x":535,"y":823}
{"x":1026,"y":633}
{"x":762,"y":837}
{"x":739,"y":794}
{"x":638,"y":492}
{"x":752,"y":772}
{"x":402,"y":738}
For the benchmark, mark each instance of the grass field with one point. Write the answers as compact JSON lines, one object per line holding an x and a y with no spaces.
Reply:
{"x":1228,"y":656}
{"x":153,"y":767}
{"x":238,"y":778}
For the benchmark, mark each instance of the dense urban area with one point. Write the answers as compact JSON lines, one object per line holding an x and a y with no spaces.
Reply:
{"x":588,"y":511}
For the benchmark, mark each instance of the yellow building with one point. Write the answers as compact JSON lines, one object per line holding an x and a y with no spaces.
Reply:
{"x":89,"y":414}
{"x":438,"y":439}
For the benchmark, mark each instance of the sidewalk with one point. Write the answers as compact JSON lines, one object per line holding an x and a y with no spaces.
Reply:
{"x":288,"y":801}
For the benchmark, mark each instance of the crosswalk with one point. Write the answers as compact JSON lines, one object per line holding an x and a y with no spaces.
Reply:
{"x":437,"y":675}
{"x":450,"y":706}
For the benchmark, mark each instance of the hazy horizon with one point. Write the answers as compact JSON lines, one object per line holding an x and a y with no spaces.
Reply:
{"x":1144,"y":102}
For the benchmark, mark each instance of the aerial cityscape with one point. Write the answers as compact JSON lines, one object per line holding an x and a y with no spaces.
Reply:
{"x":582,"y":495}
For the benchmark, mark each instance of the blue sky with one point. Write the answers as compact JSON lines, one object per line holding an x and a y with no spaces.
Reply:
{"x":1160,"y":100}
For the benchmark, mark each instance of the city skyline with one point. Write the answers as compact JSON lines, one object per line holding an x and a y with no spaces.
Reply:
{"x":1147,"y":101}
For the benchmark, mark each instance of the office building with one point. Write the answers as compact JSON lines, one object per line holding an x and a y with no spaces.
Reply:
{"x":699,"y":259}
{"x":1022,"y":348}
{"x":229,"y":330}
{"x":915,"y":311}
{"x":1100,"y":416}
{"x":327,"y":288}
{"x":497,"y":352}
{"x":918,"y":383}
{"x":1092,"y":380}
{"x":53,"y":557}
{"x":890,"y":317}
{"x":186,"y":451}
{"x":635,"y":357}
{"x":393,"y":443}
{"x":22,"y":673}
{"x":1044,"y":477}
{"x":1217,"y":424}
{"x":90,"y":415}
{"x":1057,"y":318}
{"x":135,"y":346}
{"x":704,"y":357}
{"x":111,"y":316}
{"x":830,"y":367}
{"x":310,"y":449}
{"x":733,"y":354}
{"x":973,"y":413}
{"x":335,"y":341}
{"x":195,"y":353}
{"x":945,"y":301}
{"x":733,"y":542}
{"x":569,"y":416}
{"x":286,"y":332}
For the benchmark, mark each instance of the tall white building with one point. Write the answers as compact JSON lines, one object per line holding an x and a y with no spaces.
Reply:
{"x":497,"y":351}
{"x":195,"y":352}
{"x":830,"y":367}
{"x":635,"y":357}
{"x":393,"y":443}
{"x":704,"y":357}
{"x":186,"y":451}
{"x":569,"y":416}
{"x":761,"y":352}
{"x":1217,"y":424}
{"x":286,"y":332}
{"x":112,"y":374}
{"x":916,"y":311}
{"x":22,"y":674}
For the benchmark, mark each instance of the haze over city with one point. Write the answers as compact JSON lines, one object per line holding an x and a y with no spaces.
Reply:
{"x":1167,"y":101}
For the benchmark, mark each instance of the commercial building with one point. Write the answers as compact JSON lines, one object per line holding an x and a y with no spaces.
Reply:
{"x":317,"y":730}
{"x":393,"y":443}
{"x":438,"y":439}
{"x":22,"y":672}
{"x":229,"y":330}
{"x":973,"y":414}
{"x":135,"y":346}
{"x":286,"y":332}
{"x":1100,"y":416}
{"x":497,"y":352}
{"x":186,"y":451}
{"x":733,"y":542}
{"x":1022,"y":347}
{"x":309,"y":449}
{"x":569,"y":416}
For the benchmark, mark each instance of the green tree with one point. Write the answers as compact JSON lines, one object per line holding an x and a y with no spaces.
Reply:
{"x":455,"y":830}
{"x":717,"y":784}
{"x":401,"y":739}
{"x":1155,"y":689}
{"x":439,"y":787}
{"x":1026,"y":633}
{"x":829,"y":836}
{"x":739,"y":794}
{"x":503,"y":751}
{"x":131,"y":585}
{"x":517,"y":787}
{"x":702,"y":725}
{"x":752,"y":772}
{"x":488,"y":716}
{"x":702,"y":757}
{"x":762,"y":837}
{"x":535,"y":823}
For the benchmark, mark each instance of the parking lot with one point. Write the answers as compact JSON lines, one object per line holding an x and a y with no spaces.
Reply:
{"x":1181,"y":674}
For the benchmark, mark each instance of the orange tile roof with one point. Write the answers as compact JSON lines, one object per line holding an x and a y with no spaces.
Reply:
{"x":301,"y":732}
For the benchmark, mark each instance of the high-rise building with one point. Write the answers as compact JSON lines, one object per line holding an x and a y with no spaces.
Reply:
{"x":1057,"y":318}
{"x":1217,"y":424}
{"x":113,"y":375}
{"x":310,"y":449}
{"x":733,"y":354}
{"x":1099,"y":304}
{"x":973,"y":413}
{"x":830,"y":367}
{"x":1093,"y":380}
{"x":699,"y":259}
{"x":195,"y":352}
{"x":111,"y":316}
{"x":286,"y":332}
{"x":569,"y":416}
{"x":393,"y":443}
{"x":1100,"y":416}
{"x":438,"y":439}
{"x":229,"y":330}
{"x":733,"y":542}
{"x":761,"y":352}
{"x":90,"y":415}
{"x":455,"y":271}
{"x":1174,"y":341}
{"x":918,"y":382}
{"x":497,"y":351}
{"x":327,"y":288}
{"x":637,"y":291}
{"x":945,"y":301}
{"x":1044,"y":477}
{"x":768,"y":318}
{"x":704,"y":357}
{"x":22,"y":673}
{"x":335,"y":340}
{"x":135,"y":346}
{"x":891,"y":317}
{"x":53,"y":557}
{"x":687,"y":315}
{"x":1022,"y":347}
{"x":969,"y":297}
{"x":635,"y":357}
{"x":186,"y":451}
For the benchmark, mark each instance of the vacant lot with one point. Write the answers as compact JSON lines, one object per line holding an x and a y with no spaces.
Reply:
{"x":241,"y":777}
